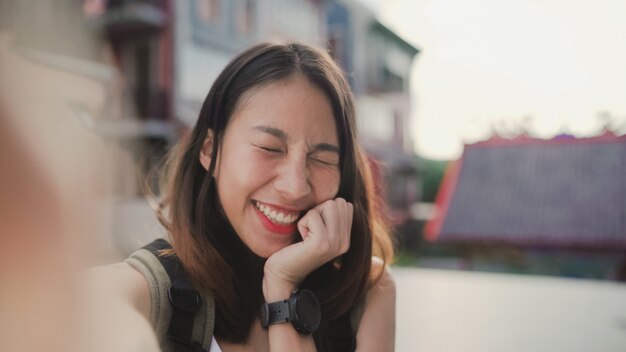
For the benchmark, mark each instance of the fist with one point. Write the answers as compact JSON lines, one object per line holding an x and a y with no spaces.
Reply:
{"x":325,"y":232}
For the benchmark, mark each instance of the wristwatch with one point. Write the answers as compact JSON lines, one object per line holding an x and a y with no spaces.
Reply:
{"x":301,"y":309}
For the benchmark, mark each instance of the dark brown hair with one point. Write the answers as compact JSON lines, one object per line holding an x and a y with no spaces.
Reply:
{"x":212,"y":253}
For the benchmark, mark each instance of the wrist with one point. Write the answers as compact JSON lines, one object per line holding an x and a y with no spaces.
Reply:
{"x":276,"y":289}
{"x":302,"y":310}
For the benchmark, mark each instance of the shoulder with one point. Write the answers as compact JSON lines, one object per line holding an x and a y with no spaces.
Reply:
{"x":376,"y":329}
{"x":119,"y":282}
{"x":118,"y":301}
{"x":383,"y":281}
{"x":381,"y":296}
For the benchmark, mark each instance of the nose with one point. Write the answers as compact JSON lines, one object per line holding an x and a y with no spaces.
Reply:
{"x":293,"y":180}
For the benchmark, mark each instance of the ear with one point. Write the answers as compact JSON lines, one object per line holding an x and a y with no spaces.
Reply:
{"x":207,"y":149}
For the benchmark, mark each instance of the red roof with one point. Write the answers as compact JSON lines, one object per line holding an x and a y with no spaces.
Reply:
{"x":563,"y":192}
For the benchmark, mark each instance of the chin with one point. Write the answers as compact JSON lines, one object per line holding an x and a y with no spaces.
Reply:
{"x":263,"y":253}
{"x":267,"y":250}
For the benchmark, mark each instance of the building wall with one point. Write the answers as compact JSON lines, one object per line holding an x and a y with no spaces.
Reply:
{"x":205,"y":34}
{"x":205,"y":41}
{"x":378,"y":68}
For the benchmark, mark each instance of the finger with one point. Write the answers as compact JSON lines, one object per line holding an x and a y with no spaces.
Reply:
{"x":323,"y":204}
{"x":350,"y":219}
{"x":341,"y":206}
{"x":311,"y":223}
{"x":303,"y":229}
{"x":331,"y":215}
{"x":348,"y":215}
{"x":338,"y":215}
{"x":346,"y":225}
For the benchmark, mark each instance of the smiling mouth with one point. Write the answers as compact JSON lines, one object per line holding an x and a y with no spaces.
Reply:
{"x":277,"y":216}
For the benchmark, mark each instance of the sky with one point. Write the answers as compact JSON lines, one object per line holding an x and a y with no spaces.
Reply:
{"x":552,"y":66}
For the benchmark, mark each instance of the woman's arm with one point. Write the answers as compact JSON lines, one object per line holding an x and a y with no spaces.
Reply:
{"x":283,"y":337}
{"x":325,"y":232}
{"x":377,"y":328}
{"x":118,"y":305}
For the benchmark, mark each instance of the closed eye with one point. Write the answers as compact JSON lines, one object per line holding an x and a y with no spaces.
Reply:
{"x":325,"y":154}
{"x":269,"y":149}
{"x":324,"y":162}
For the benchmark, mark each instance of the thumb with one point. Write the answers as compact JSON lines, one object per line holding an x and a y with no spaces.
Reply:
{"x":303,"y":228}
{"x":310,"y":222}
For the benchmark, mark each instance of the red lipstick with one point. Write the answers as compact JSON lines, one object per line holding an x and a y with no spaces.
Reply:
{"x":274,"y":227}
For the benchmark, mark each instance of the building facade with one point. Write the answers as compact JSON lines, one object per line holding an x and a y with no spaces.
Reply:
{"x":378,"y":64}
{"x":170,"y":52}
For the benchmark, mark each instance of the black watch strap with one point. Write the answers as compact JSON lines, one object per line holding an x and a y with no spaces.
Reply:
{"x":275,"y":313}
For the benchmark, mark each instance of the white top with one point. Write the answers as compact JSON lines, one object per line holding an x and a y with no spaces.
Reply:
{"x":214,"y":346}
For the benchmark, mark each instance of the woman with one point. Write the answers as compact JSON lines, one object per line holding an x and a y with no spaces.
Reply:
{"x":270,"y":195}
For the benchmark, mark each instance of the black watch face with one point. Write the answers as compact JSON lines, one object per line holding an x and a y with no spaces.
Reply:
{"x":307,"y":312}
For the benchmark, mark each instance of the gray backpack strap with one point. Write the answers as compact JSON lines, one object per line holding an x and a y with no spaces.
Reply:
{"x":183,"y":321}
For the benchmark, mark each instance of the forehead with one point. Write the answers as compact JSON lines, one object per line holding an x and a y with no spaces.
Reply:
{"x":293,"y":104}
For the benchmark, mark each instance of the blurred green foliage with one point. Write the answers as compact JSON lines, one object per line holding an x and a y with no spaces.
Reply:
{"x":431,"y":172}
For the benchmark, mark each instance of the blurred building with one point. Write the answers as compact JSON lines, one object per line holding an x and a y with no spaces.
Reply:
{"x":553,"y":206}
{"x":378,"y":65}
{"x":209,"y":33}
{"x":170,"y":52}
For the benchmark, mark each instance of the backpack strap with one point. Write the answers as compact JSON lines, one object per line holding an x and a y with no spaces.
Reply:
{"x":184,"y":299}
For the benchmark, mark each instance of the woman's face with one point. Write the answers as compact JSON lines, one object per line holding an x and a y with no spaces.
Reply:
{"x":279,"y":157}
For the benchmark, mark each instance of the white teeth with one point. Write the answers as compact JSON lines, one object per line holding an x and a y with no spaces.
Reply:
{"x":275,"y":216}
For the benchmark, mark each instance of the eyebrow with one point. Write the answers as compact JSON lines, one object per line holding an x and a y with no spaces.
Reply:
{"x":273,"y":131}
{"x":325,"y":147}
{"x":320,"y":147}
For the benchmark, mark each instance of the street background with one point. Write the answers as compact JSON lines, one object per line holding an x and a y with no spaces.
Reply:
{"x":510,"y":223}
{"x":443,"y":310}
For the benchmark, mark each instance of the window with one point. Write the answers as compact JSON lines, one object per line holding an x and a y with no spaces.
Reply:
{"x":245,"y":18}
{"x":209,"y":11}
{"x":226,"y":24}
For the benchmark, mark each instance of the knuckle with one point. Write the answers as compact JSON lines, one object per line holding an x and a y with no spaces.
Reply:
{"x":322,"y":246}
{"x":344,"y":247}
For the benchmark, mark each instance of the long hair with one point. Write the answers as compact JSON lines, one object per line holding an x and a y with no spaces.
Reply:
{"x":213,"y":255}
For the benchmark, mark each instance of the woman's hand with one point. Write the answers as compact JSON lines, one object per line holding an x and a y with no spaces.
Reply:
{"x":325,"y":232}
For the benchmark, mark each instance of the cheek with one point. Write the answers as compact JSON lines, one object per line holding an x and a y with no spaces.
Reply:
{"x":243,"y":173}
{"x":326,"y":185}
